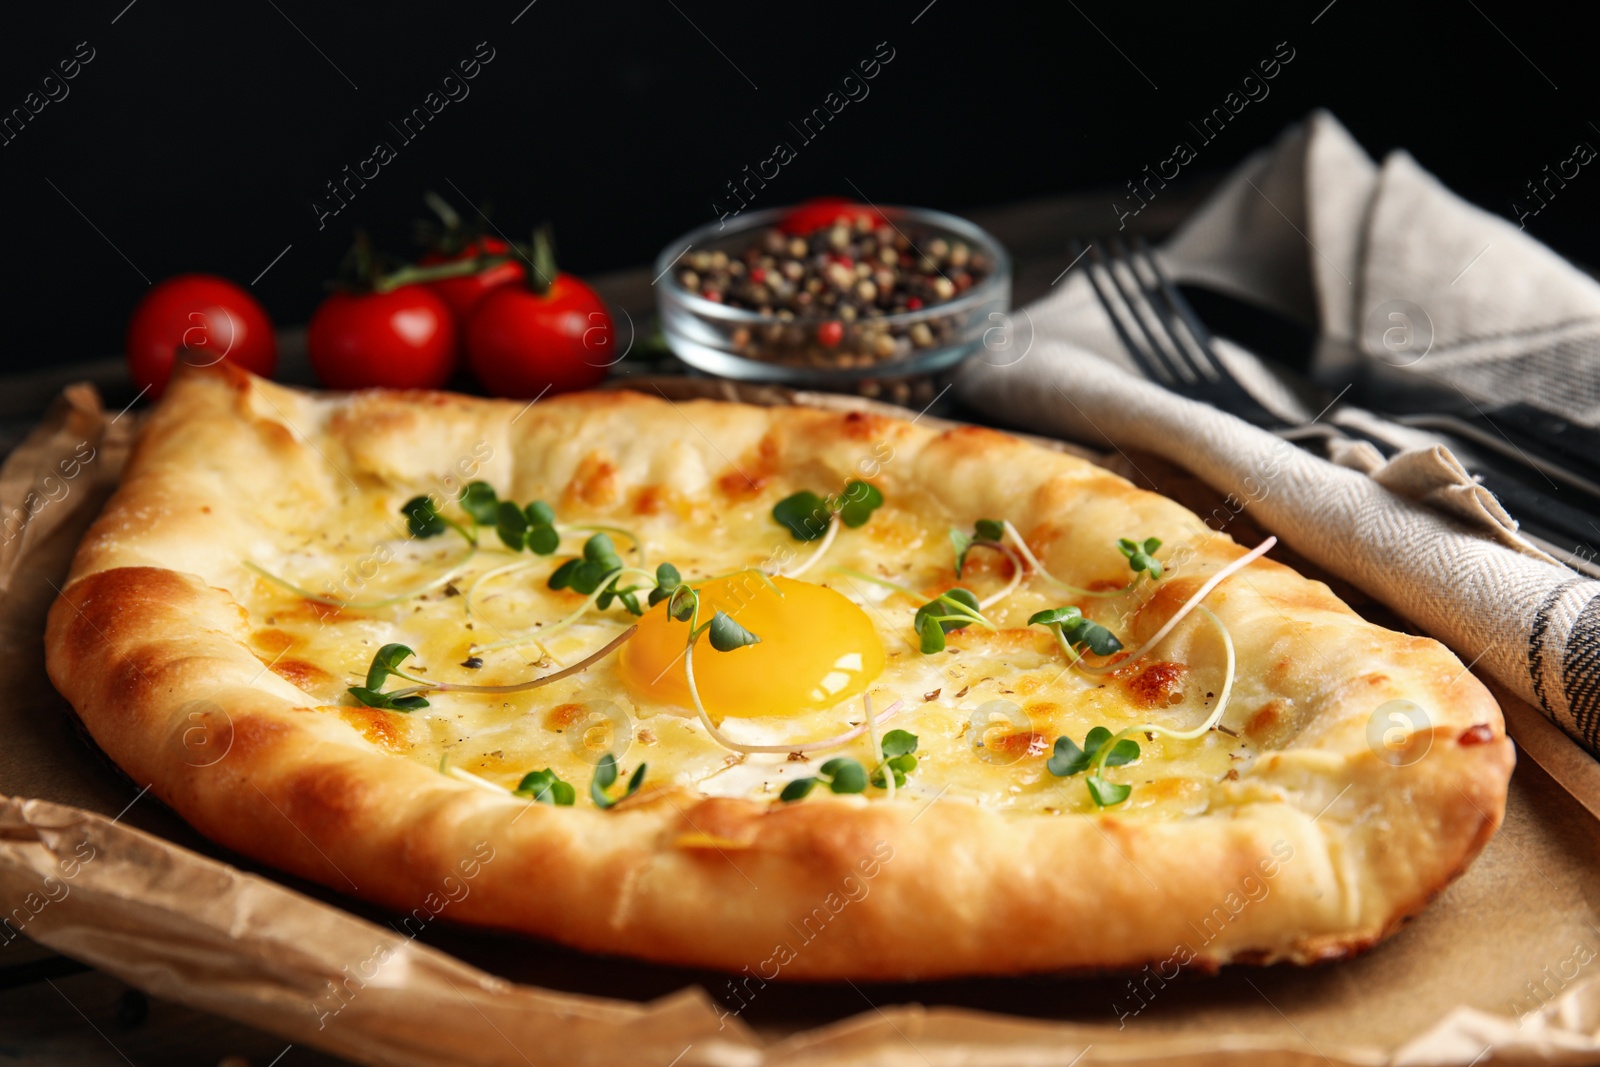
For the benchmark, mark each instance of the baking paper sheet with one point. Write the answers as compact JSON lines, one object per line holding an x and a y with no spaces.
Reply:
{"x":1503,"y":968}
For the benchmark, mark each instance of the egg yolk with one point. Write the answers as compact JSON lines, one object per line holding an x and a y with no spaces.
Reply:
{"x":817,"y":649}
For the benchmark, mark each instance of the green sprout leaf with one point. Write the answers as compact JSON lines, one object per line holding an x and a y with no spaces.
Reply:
{"x":986,"y":531}
{"x":562,"y":577}
{"x":479,"y":500}
{"x":512,"y":525}
{"x":727,"y":635}
{"x":1107,"y":793}
{"x":844,"y":775}
{"x":386,"y":663}
{"x":1066,"y":616}
{"x":1068,"y":759}
{"x":584,"y":574}
{"x":1141,"y":555}
{"x":952,"y":610}
{"x":1125,"y":751}
{"x":860,"y":501}
{"x":899,"y":766}
{"x":543,"y":540}
{"x":374,"y":699}
{"x":605,"y":775}
{"x":897,"y":746}
{"x":599,"y":549}
{"x":798,"y":789}
{"x":805,"y":514}
{"x":544,"y":787}
{"x":1101,"y":641}
{"x":1078,"y":631}
{"x":422,"y":518}
{"x":682,"y":602}
{"x":667,"y":580}
{"x":962,"y":543}
{"x":899,"y":743}
{"x":532,"y":527}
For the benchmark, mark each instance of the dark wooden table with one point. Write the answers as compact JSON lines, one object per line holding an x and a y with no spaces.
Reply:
{"x":54,"y":1010}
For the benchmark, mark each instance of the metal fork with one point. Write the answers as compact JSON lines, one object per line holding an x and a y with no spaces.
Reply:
{"x":1171,"y":346}
{"x":1174,"y":349}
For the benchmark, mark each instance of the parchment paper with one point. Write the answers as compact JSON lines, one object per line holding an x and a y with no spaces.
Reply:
{"x":1503,"y":968}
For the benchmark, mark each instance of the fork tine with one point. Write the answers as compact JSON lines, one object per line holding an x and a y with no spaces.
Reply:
{"x":1156,"y":325}
{"x":1213,"y":375}
{"x":1175,"y":310}
{"x":1145,"y":352}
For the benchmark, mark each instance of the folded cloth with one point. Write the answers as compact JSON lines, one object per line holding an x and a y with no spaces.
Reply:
{"x":1315,"y":229}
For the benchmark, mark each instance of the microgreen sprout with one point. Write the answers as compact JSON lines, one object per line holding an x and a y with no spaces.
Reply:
{"x":599,"y":568}
{"x":1011,"y":541}
{"x":604,"y":589}
{"x":667,"y":581}
{"x":844,"y":775}
{"x":1141,"y":555}
{"x":479,"y":500}
{"x":805,"y":515}
{"x":840,"y":774}
{"x":1102,"y":749}
{"x":532,"y":527}
{"x":988,"y":533}
{"x":952,"y":609}
{"x":809,"y":517}
{"x":526,"y":526}
{"x":385,"y":663}
{"x":726,"y":635}
{"x":1075,"y":633}
{"x":1178,"y":616}
{"x":546,"y":787}
{"x":897,"y":749}
{"x":860,"y":500}
{"x":423,"y":520}
{"x":605,"y":774}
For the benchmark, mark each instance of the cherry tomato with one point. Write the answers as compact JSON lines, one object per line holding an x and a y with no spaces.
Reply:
{"x":520,"y":343}
{"x":463,"y":293}
{"x":201,"y":319}
{"x":821,"y":211}
{"x":401,"y":339}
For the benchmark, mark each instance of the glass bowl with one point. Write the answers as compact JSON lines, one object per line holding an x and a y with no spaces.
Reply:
{"x":747,"y":345}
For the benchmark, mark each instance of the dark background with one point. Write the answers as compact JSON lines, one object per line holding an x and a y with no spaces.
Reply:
{"x":199,"y":135}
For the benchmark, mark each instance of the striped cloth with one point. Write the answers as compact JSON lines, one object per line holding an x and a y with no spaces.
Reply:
{"x":1316,"y":228}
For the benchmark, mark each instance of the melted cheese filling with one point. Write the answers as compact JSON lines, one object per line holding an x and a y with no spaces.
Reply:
{"x":986,"y":711}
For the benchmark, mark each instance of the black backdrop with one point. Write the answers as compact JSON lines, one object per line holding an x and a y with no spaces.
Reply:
{"x":199,"y":136}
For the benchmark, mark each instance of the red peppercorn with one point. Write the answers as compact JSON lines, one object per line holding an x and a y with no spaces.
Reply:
{"x":712,"y":295}
{"x":758,"y":275}
{"x":913,"y":304}
{"x":830,"y":334}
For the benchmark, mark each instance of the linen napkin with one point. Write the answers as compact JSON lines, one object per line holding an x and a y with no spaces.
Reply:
{"x":1316,"y":229}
